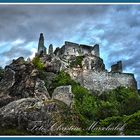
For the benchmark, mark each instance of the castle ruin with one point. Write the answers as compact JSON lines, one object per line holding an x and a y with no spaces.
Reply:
{"x":75,"y":49}
{"x":93,"y":74}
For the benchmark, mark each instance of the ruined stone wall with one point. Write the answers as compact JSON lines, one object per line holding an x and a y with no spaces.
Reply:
{"x":75,"y":49}
{"x":94,"y":63}
{"x":96,"y":50}
{"x":117,"y":67}
{"x":102,"y":81}
{"x":85,"y":49}
{"x":71,"y":48}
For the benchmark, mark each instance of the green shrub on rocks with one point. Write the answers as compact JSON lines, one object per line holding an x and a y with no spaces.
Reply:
{"x":131,"y":122}
{"x":37,"y":63}
{"x":62,"y":79}
{"x":85,"y":105}
{"x":77,"y":62}
{"x":125,"y":100}
{"x":118,"y":102}
{"x":84,"y":101}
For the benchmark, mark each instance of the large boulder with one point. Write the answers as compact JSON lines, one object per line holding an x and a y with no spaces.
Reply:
{"x":64,"y":94}
{"x":34,"y":115}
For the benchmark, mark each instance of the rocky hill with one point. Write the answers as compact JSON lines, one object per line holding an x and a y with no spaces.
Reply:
{"x":25,"y":102}
{"x":64,"y":92}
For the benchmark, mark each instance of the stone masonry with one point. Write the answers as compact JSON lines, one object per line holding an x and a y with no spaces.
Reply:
{"x":102,"y":81}
{"x":41,"y":47}
{"x":79,"y":49}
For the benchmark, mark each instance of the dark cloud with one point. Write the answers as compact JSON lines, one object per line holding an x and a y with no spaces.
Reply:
{"x":27,"y":21}
{"x":14,"y":52}
{"x":115,"y":27}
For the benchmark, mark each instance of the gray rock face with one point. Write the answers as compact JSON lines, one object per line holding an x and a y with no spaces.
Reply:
{"x":21,"y":81}
{"x":64,"y":94}
{"x":32,"y":114}
{"x":6,"y":99}
{"x":8,"y":81}
{"x":40,"y":90}
{"x":11,"y":113}
{"x":52,"y":65}
{"x":5,"y":84}
{"x":24,"y":79}
{"x":48,"y":78}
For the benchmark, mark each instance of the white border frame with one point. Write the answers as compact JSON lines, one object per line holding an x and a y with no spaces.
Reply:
{"x":70,"y":3}
{"x":49,"y":3}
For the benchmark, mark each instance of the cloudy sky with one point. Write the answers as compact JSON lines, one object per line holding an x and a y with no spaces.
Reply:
{"x":116,"y":28}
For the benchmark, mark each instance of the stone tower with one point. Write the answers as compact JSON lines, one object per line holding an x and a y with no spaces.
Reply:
{"x":50,"y":51}
{"x":117,"y":67}
{"x":96,"y":50}
{"x":41,"y":47}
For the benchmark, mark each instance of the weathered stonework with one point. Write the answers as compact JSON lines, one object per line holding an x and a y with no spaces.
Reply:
{"x":75,"y":49}
{"x":93,"y":63}
{"x":41,"y":47}
{"x":102,"y":81}
{"x":117,"y":67}
{"x":50,"y":51}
